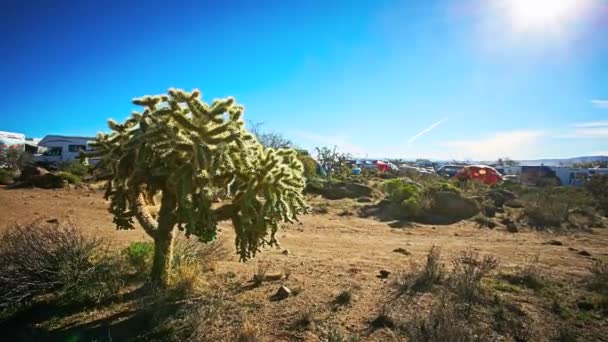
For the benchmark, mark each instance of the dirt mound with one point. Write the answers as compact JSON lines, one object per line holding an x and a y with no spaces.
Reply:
{"x":452,"y":206}
{"x":40,"y":178}
{"x":30,"y":172}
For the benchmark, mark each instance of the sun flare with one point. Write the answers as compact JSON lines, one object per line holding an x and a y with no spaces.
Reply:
{"x":531,"y":15}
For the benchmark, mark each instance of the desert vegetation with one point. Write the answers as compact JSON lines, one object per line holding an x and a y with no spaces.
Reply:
{"x":225,"y":233}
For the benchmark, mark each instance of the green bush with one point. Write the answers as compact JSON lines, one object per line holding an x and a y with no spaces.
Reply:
{"x":310,"y":166}
{"x":78,"y":169}
{"x":443,"y":186}
{"x":186,"y":251}
{"x":139,"y":255}
{"x":6,"y":176}
{"x":399,"y":190}
{"x":69,"y":177}
{"x":411,"y":198}
{"x":598,"y":188}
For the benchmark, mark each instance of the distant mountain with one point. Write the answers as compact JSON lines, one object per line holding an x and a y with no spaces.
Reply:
{"x":564,"y":162}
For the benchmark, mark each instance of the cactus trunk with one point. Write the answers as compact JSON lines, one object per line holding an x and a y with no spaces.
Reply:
{"x":163,"y":242}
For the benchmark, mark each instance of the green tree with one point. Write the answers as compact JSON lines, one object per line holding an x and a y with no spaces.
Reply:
{"x":184,"y":152}
{"x":333,"y":161}
{"x":269,"y":139}
{"x":13,"y":158}
{"x":507,"y":162}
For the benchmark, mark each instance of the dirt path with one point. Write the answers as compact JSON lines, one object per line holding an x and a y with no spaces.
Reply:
{"x":328,"y":253}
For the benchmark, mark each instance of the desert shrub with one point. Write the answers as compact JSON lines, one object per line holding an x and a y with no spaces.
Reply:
{"x":473,"y":187}
{"x":305,"y":319}
{"x":399,"y":190}
{"x":442,"y":185}
{"x":408,"y":196}
{"x":549,"y":207}
{"x":469,"y":268}
{"x":599,"y":276}
{"x":530,"y":275}
{"x":445,"y":322}
{"x":597,"y":186}
{"x":344,"y":298}
{"x":321,"y":208}
{"x":47,"y":181}
{"x":13,"y":158}
{"x":70,"y":177}
{"x":422,"y":279}
{"x":315,"y":185}
{"x":77,"y":169}
{"x":38,"y":259}
{"x":186,"y":252}
{"x":259,"y":275}
{"x":310,"y":166}
{"x":199,"y":320}
{"x":6,"y":176}
{"x":249,"y":332}
{"x":139,"y":255}
{"x":484,"y":221}
{"x":334,"y":335}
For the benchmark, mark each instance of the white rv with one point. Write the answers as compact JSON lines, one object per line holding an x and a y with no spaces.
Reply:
{"x":12,"y":140}
{"x":57,"y":149}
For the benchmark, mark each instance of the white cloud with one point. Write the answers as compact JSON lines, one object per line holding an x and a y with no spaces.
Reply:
{"x":600,"y":103}
{"x":592,"y":124}
{"x":426,"y":130}
{"x":519,"y":144}
{"x":588,"y":130}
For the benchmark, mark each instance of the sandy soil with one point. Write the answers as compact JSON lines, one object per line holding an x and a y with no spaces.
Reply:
{"x":327,"y":253}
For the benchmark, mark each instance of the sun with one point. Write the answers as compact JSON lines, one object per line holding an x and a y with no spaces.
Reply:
{"x":534,"y":15}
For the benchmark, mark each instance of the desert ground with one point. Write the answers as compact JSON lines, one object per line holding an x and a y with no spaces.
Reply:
{"x":319,"y":257}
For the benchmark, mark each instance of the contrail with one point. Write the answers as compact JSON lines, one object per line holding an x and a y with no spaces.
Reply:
{"x":426,"y":130}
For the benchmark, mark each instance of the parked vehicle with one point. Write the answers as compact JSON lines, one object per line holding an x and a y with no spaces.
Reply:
{"x":449,"y":171}
{"x":12,"y":140}
{"x":539,"y":175}
{"x":59,"y":149}
{"x":481,"y":173}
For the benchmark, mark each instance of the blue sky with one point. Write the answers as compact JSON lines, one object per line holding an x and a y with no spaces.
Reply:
{"x":474,"y":79}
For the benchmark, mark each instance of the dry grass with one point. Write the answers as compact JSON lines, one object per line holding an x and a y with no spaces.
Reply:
{"x":468,"y":269}
{"x":40,"y":258}
{"x":422,"y":279}
{"x":249,"y":332}
{"x":327,"y":253}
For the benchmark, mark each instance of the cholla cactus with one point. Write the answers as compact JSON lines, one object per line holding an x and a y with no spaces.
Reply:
{"x":185,"y":152}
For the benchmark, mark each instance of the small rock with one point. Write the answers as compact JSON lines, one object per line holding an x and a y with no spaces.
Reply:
{"x":53,"y":221}
{"x":285,"y":252}
{"x":402,"y":251}
{"x":456,"y":234}
{"x":282,"y":293}
{"x":553,"y":243}
{"x":584,"y":253}
{"x":572,"y":249}
{"x":383,"y":274}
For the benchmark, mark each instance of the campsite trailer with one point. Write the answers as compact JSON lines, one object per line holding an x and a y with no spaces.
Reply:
{"x":12,"y":140}
{"x":61,"y":149}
